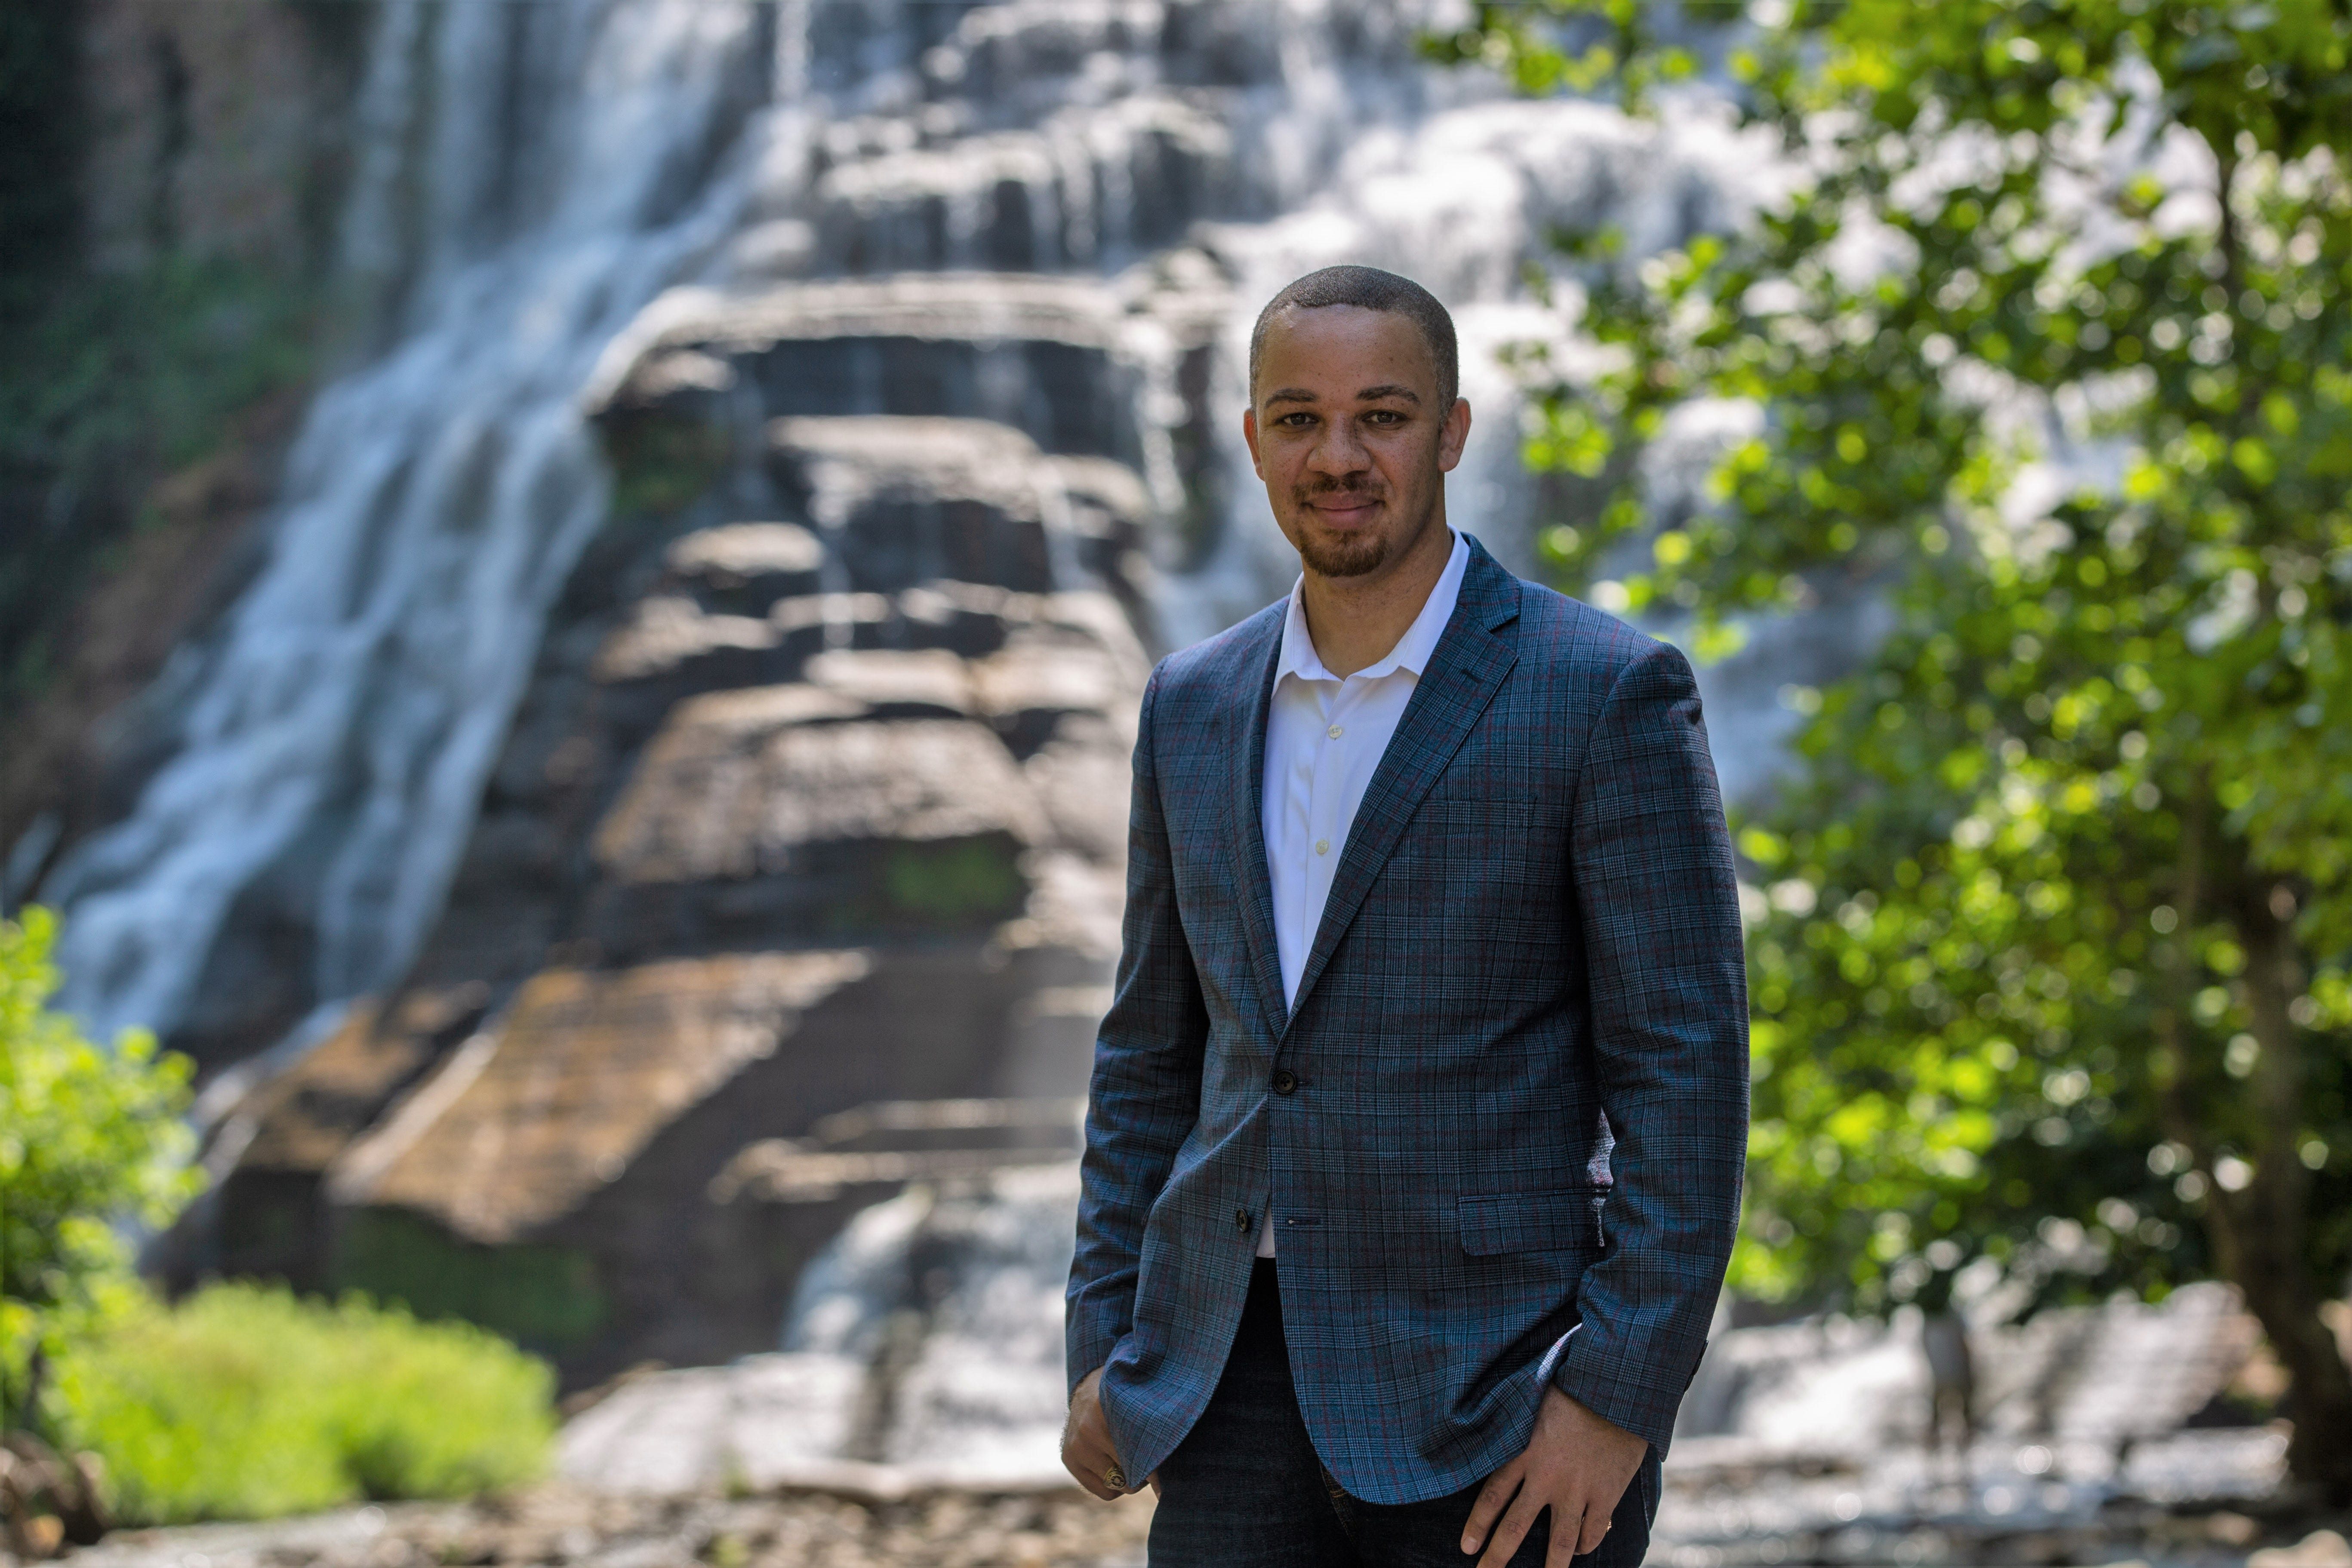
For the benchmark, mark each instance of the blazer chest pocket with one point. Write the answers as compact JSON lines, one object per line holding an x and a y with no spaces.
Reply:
{"x":1519,"y":840}
{"x":1565,"y":1220}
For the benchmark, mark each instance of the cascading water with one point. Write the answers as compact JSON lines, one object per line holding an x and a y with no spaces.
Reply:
{"x":925,"y":1340}
{"x":532,"y":175}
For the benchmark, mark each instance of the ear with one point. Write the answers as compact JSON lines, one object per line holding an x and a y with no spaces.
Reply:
{"x":1249,"y":433}
{"x":1452,"y":436}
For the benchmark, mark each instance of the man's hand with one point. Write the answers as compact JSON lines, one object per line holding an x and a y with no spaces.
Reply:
{"x":1577,"y":1465}
{"x":1087,"y":1452}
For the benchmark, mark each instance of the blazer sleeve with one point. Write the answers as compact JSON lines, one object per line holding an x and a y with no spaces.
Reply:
{"x":1659,"y":906}
{"x":1144,"y":1096}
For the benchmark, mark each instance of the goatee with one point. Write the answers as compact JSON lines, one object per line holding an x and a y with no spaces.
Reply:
{"x":1344,"y":555}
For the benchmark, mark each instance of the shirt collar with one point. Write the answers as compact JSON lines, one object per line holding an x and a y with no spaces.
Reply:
{"x":1413,"y":650}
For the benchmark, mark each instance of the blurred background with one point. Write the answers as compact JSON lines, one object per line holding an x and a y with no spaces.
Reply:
{"x":576,"y":580}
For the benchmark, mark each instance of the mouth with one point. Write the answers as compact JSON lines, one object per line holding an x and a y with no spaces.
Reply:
{"x":1343,"y":511}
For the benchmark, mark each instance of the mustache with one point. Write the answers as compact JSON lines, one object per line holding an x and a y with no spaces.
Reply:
{"x":1327,"y":488}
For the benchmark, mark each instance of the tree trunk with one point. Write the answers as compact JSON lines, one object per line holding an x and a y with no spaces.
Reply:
{"x":2278,"y":1289}
{"x":2262,"y":1235}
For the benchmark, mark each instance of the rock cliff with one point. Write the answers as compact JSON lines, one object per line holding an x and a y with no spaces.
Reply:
{"x":815,"y":800}
{"x":663,"y":788}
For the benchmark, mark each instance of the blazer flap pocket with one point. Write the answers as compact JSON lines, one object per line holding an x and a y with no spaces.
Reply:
{"x":1557,"y":1220}
{"x":1476,"y":790}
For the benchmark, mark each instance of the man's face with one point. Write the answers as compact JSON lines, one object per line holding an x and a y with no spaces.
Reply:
{"x":1346,"y":432}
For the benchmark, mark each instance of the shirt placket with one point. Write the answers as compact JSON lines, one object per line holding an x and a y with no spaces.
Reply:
{"x":1326,"y":833}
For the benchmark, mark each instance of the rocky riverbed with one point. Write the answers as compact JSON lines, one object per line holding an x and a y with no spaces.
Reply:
{"x":563,"y":1526}
{"x":573,"y":1528}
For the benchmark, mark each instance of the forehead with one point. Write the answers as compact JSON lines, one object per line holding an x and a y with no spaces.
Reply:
{"x":1334,"y":349}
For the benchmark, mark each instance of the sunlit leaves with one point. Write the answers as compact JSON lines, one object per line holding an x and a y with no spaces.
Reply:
{"x":2000,"y":927}
{"x":91,"y":1139}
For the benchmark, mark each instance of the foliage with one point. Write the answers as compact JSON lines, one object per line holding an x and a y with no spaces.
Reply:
{"x":2050,"y":337}
{"x":1607,"y":43}
{"x":111,"y":380}
{"x":114,"y":377}
{"x":239,"y":1400}
{"x":542,"y":1296}
{"x":661,"y":461}
{"x":91,"y":1139}
{"x":245,"y":1402}
{"x":950,"y":882}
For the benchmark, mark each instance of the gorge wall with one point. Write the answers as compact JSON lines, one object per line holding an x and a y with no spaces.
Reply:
{"x":168,"y":227}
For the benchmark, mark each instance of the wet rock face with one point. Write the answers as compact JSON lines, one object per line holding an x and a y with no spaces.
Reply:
{"x":815,"y":798}
{"x":816,"y":801}
{"x":215,"y":131}
{"x":845,"y":673}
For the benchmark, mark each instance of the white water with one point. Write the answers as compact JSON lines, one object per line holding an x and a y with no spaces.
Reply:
{"x":334,"y":735}
{"x":924,"y":1349}
{"x":532,"y":175}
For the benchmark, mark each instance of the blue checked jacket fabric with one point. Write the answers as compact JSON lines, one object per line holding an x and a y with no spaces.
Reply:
{"x":1511,"y":1146}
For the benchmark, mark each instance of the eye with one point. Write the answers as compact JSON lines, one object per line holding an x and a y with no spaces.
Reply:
{"x":1385,"y":417}
{"x":1297,"y":421}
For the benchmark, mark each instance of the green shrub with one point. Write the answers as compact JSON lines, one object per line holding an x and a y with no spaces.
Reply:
{"x":91,"y":1143}
{"x":246,"y":1402}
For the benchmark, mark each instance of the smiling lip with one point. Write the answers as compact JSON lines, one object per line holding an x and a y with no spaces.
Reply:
{"x":1344,"y":509}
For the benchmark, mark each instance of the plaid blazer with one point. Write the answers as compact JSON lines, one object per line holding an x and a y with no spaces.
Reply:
{"x":1503,"y":1128}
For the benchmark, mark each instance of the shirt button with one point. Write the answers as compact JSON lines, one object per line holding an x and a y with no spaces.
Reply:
{"x":1322,"y":847}
{"x":1285,"y":1081}
{"x":1335,"y":731}
{"x":1241,"y":1219}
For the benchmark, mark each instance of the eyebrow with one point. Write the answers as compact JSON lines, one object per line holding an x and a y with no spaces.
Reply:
{"x":1369,"y":394}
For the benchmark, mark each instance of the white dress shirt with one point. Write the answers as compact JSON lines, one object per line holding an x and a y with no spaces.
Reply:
{"x":1324,"y":738}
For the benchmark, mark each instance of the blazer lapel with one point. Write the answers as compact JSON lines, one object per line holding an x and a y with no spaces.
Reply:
{"x":1464,"y":671}
{"x":1245,"y":800}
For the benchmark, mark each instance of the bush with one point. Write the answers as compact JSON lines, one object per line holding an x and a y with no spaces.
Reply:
{"x":247,"y":1402}
{"x":91,"y":1145}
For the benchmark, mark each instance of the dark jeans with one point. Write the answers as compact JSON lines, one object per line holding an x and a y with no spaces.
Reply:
{"x":1245,"y":1489}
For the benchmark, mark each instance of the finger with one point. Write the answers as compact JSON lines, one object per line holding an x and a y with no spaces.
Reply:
{"x":1492,"y":1499}
{"x":1517,"y":1521}
{"x":1596,"y":1525}
{"x":1566,"y":1542}
{"x":1086,"y":1469}
{"x":1088,"y":1457}
{"x":1090,"y":1478}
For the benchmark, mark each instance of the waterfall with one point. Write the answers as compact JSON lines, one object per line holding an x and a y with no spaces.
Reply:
{"x":544,"y":192}
{"x":532,"y":175}
{"x":924,"y":1347}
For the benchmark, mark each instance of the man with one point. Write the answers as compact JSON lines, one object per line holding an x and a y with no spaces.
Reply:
{"x":1418,"y":1120}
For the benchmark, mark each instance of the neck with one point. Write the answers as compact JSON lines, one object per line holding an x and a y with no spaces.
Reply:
{"x":1355,"y":621}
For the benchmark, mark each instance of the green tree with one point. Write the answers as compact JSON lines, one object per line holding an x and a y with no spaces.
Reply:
{"x":2051,"y":963}
{"x":91,"y":1139}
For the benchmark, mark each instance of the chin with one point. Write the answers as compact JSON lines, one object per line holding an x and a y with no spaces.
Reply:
{"x":1344,"y":555}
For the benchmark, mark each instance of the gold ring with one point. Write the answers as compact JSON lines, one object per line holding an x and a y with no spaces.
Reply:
{"x":1114,"y":1479}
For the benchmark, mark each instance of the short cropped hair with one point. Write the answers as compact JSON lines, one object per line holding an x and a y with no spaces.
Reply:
{"x":1370,"y":288}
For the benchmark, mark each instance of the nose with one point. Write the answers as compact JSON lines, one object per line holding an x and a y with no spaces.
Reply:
{"x":1341,"y":452}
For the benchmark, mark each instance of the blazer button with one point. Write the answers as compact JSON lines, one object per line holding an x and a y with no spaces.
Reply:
{"x":1241,"y":1219}
{"x":1285,"y":1081}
